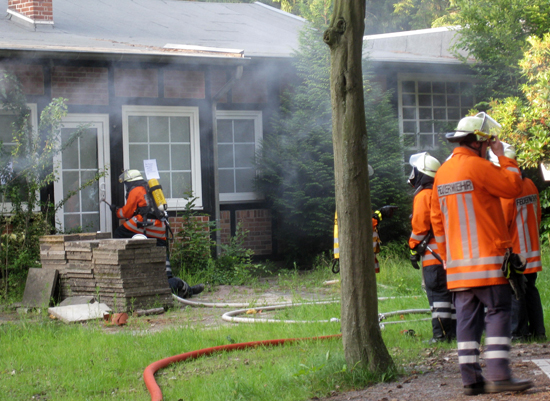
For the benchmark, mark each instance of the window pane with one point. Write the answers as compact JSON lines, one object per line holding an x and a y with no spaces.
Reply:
{"x":426,"y":126}
{"x":225,"y":156}
{"x":467,"y":101}
{"x":225,"y":131}
{"x":181,"y":184}
{"x":6,"y":130}
{"x":71,"y":221}
{"x":158,"y":129}
{"x":440,"y":114}
{"x":424,"y":87}
{"x":69,"y":157}
{"x":438,"y":87}
{"x":424,"y":100}
{"x":162,"y":154}
{"x":452,"y":101}
{"x":138,"y":153}
{"x":439,"y":100}
{"x":453,"y":114}
{"x":244,"y":130}
{"x":426,"y":141}
{"x":71,"y":183}
{"x":245,"y":180}
{"x":227,"y":181}
{"x":90,"y":222}
{"x":409,"y":126}
{"x":180,"y":129}
{"x":409,"y":113}
{"x":453,"y":87}
{"x":167,"y":185}
{"x":88,"y":149}
{"x":425,"y":113}
{"x":89,"y":195}
{"x":181,"y":157}
{"x":244,"y":155}
{"x":408,"y":86}
{"x":409,"y":100}
{"x":137,"y":129}
{"x":409,"y":141}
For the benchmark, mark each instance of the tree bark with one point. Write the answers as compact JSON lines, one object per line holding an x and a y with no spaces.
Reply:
{"x":363,"y":344}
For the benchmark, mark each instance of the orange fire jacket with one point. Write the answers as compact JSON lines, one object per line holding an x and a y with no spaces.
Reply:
{"x":523,"y":217}
{"x":421,"y":225}
{"x":467,"y":217}
{"x":136,"y":199}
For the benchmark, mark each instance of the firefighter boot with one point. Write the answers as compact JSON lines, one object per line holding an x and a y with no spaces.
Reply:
{"x":196,"y":289}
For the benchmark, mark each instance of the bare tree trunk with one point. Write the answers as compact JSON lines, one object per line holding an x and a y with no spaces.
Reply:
{"x":363,"y":344}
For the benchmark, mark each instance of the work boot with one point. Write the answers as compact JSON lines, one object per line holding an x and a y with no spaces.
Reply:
{"x":508,"y":385}
{"x":475,"y":389}
{"x":196,"y":289}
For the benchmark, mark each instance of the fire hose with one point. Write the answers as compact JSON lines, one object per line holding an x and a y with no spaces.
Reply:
{"x":149,"y":373}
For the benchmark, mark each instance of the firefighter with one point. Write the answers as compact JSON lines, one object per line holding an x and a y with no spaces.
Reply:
{"x":474,"y":243}
{"x":523,"y":217}
{"x":377,"y":216}
{"x":424,"y":167}
{"x":140,"y":221}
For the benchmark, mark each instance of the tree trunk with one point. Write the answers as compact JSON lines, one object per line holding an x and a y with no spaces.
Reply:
{"x":363,"y":344}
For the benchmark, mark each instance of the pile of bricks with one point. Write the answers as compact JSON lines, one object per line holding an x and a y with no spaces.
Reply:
{"x":125,"y":274}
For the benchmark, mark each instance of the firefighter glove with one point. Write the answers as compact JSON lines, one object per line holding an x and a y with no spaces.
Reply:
{"x":377,"y":215}
{"x":414,"y":258}
{"x":513,"y":268}
{"x":113,"y":208}
{"x":387,"y":211}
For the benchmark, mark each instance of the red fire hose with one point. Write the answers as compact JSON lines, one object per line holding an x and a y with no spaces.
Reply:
{"x":149,"y":373}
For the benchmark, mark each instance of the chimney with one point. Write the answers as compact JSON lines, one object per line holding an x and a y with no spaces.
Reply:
{"x":33,"y":12}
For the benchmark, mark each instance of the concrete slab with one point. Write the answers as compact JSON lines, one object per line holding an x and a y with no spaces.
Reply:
{"x":39,"y":288}
{"x":82,"y":300}
{"x":79,"y":313}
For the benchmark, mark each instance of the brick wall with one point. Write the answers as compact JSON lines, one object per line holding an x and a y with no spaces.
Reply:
{"x":81,"y":85}
{"x":30,"y":76}
{"x":184,"y":84}
{"x":258,"y":223}
{"x":225,"y":226}
{"x":134,"y":82}
{"x":251,"y":88}
{"x":218,"y":80}
{"x":38,"y":10}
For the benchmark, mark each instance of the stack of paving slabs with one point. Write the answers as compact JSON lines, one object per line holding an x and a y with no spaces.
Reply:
{"x":122,"y":273}
{"x":131,"y":274}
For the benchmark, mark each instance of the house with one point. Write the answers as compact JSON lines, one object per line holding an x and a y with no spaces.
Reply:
{"x":192,"y":85}
{"x":432,"y":89}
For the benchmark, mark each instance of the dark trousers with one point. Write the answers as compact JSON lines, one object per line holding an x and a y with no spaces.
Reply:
{"x":471,"y":320}
{"x":527,"y":315}
{"x":441,"y":302}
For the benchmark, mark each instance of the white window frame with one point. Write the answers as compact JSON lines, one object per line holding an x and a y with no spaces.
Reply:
{"x":424,"y":77}
{"x":194,"y":137}
{"x":100,"y":122}
{"x":255,"y":115}
{"x":7,"y":207}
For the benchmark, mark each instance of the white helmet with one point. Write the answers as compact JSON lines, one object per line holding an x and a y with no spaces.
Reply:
{"x":481,"y":124}
{"x":139,"y":236}
{"x":129,"y":176}
{"x":425,"y":163}
{"x":371,"y":170}
{"x":509,"y":151}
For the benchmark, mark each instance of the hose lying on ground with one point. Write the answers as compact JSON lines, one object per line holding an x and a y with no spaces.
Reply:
{"x":149,"y":373}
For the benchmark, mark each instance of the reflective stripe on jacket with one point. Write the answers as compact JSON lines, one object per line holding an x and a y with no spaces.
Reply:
{"x":136,"y":199}
{"x":421,"y":225}
{"x":523,"y":217}
{"x":467,"y":218}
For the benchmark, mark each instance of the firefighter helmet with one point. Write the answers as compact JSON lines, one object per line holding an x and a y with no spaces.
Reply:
{"x":371,"y":170}
{"x":425,"y":163}
{"x":481,"y":124}
{"x":130,"y":176}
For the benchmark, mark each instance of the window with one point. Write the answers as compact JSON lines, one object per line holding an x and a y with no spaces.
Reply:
{"x":431,"y":106}
{"x":170,"y":135}
{"x":8,"y":143}
{"x":239,"y":135}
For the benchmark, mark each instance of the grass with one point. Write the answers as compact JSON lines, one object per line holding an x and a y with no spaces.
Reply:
{"x":49,"y":360}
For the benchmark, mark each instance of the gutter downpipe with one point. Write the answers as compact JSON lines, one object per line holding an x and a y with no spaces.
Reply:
{"x":221,"y":93}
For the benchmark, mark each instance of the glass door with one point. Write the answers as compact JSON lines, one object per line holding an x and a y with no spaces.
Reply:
{"x":82,"y":158}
